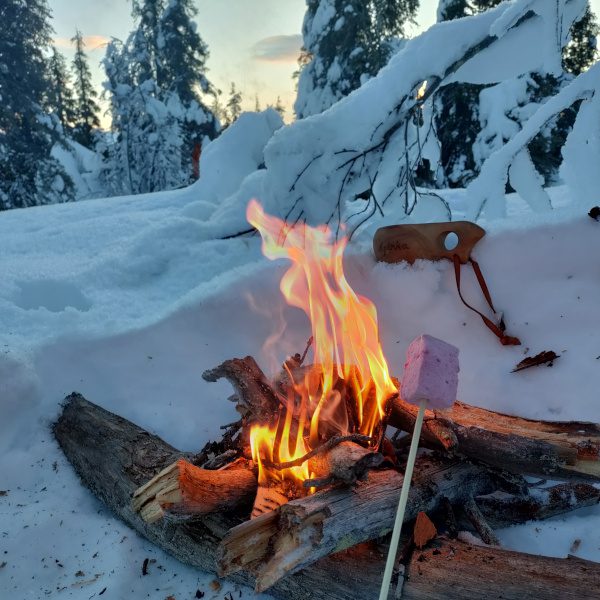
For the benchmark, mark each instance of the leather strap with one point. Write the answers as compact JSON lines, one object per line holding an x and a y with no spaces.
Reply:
{"x":505,"y":340}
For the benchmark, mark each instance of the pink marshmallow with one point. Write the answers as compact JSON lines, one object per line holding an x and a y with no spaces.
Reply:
{"x":430,"y":372}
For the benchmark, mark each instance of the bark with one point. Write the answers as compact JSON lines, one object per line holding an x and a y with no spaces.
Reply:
{"x":302,"y":531}
{"x":463,"y":572}
{"x":561,"y":450}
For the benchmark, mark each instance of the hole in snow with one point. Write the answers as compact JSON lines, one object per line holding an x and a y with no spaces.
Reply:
{"x":53,"y":295}
{"x":451,"y":241}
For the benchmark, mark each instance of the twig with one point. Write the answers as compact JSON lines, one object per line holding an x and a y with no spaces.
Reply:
{"x":486,"y":533}
{"x":328,"y":445}
{"x":308,"y":345}
{"x":251,"y":231}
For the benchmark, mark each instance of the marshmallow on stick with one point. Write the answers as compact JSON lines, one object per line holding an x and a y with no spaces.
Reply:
{"x":430,"y":373}
{"x":430,"y":380}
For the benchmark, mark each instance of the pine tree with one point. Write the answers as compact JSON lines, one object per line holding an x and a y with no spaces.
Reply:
{"x":581,"y":52}
{"x":147,"y":42}
{"x":155,"y":81}
{"x":345,"y":43}
{"x":257,"y":107}
{"x":182,"y":60}
{"x":86,"y":108}
{"x":28,"y":173}
{"x":457,"y":114}
{"x":279,"y":107}
{"x":145,"y":155}
{"x":234,"y":104}
{"x":60,"y":98}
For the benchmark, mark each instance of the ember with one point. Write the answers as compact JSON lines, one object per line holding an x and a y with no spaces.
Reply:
{"x":349,"y":365}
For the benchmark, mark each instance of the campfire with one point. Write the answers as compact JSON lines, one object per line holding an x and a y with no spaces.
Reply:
{"x":309,"y":471}
{"x":345,"y":393}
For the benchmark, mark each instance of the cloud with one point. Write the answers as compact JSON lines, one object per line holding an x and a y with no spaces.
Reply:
{"x":92,"y":42}
{"x":278,"y":48}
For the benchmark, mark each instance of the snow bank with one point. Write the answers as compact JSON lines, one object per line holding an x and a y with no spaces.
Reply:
{"x":237,"y":152}
{"x":126,"y":301}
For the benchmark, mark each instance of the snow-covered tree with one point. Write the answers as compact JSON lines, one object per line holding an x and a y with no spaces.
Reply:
{"x":473,"y":121}
{"x":144,"y":154}
{"x":182,"y":58}
{"x":234,"y":104}
{"x":59,"y":95}
{"x":345,"y":43}
{"x":154,"y":83}
{"x":362,"y":154}
{"x":146,"y":43}
{"x":457,"y":118}
{"x":28,"y":173}
{"x":86,"y":107}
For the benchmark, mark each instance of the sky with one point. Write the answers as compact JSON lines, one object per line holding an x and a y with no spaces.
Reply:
{"x":253,"y":43}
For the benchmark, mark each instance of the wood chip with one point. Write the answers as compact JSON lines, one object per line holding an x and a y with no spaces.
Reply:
{"x":424,"y":531}
{"x":215,"y":585}
{"x":547,"y":356}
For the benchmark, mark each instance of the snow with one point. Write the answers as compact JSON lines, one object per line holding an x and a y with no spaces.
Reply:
{"x":83,"y":166}
{"x":127,"y":300}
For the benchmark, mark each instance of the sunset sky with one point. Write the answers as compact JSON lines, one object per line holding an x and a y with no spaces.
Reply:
{"x":254,"y":43}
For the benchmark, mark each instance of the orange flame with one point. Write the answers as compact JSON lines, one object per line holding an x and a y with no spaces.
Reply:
{"x":345,"y":345}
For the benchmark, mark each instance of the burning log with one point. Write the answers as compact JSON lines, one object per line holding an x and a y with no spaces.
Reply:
{"x":114,"y":457}
{"x":307,"y":529}
{"x":183,"y":489}
{"x":255,"y":397}
{"x":339,"y":460}
{"x":559,"y":450}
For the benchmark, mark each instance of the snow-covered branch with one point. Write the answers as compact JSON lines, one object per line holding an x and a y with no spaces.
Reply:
{"x":511,"y":160}
{"x":354,"y":157}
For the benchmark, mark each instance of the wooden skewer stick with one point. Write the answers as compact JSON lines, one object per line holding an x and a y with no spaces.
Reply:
{"x":412,"y":455}
{"x":430,"y":378}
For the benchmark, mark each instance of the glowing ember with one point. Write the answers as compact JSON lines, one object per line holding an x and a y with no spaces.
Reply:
{"x":421,"y":90}
{"x":349,"y":366}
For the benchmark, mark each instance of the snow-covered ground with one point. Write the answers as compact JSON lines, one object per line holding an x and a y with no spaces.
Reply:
{"x":126,"y":301}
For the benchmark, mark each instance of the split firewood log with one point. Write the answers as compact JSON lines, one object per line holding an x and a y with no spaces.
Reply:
{"x":561,"y":450}
{"x":114,"y":457}
{"x":184,"y":489}
{"x":302,"y":531}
